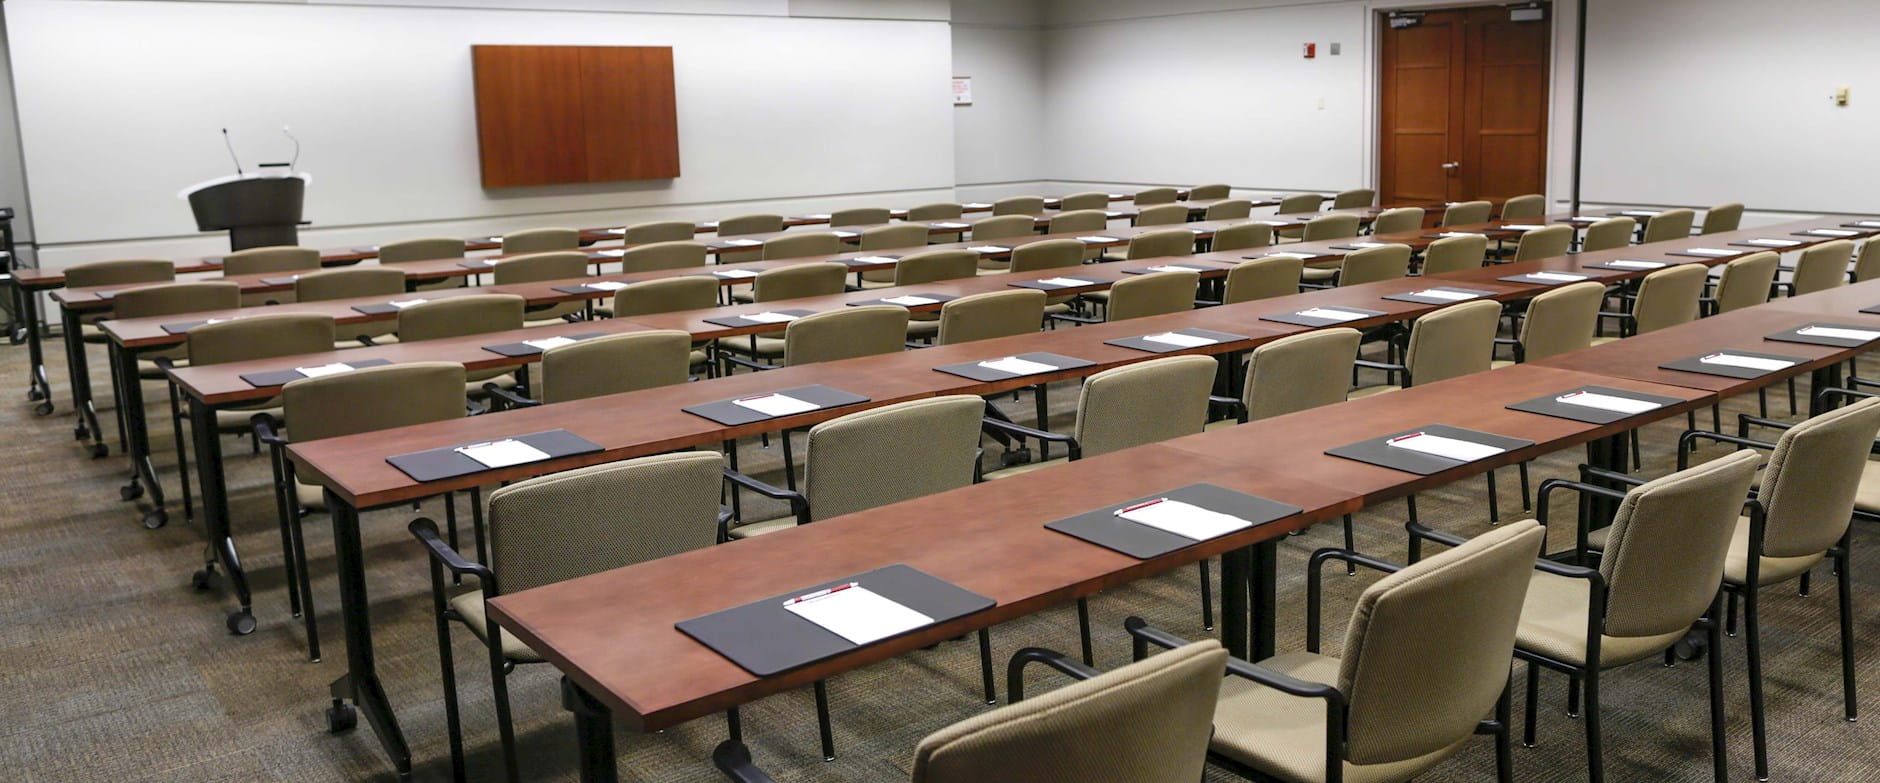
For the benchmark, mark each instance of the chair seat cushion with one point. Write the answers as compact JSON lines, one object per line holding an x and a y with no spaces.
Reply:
{"x":1221,"y":425}
{"x":1867,"y":498}
{"x":764,"y":347}
{"x":1553,"y":623}
{"x":469,"y":607}
{"x":241,"y":419}
{"x":1019,"y":470}
{"x":753,"y":529}
{"x":1605,"y":340}
{"x":869,"y":285}
{"x":1318,"y":275}
{"x":310,"y":496}
{"x":556,"y":321}
{"x":1372,"y":391}
{"x":992,"y":270}
{"x":1772,"y":569}
{"x":1097,"y":296}
{"x":922,"y":328}
{"x":1500,"y":363}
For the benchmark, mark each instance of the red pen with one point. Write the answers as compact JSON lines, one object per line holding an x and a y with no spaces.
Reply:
{"x":756,"y":397}
{"x":1122,"y":511}
{"x":820,"y":594}
{"x":1402,"y":438}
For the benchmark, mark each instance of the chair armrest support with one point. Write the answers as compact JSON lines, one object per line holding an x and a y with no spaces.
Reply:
{"x":1315,"y":587}
{"x":799,"y":505}
{"x":1022,"y":431}
{"x":1015,"y":670}
{"x":1076,"y":319}
{"x":1233,"y":406}
{"x":1688,"y":441}
{"x":743,"y":362}
{"x":267,"y":429}
{"x":425,"y":531}
{"x":511,"y":400}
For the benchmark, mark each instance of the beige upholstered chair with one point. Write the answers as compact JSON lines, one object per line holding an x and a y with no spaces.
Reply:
{"x":1172,"y":214}
{"x":465,"y":315}
{"x":1089,"y":199}
{"x":1609,"y":234}
{"x":1262,"y":278}
{"x":1465,"y":213}
{"x":614,"y":364}
{"x":802,"y":245}
{"x":742,"y":225}
{"x":1454,"y":341}
{"x":554,"y":528}
{"x":935,"y":265}
{"x":1018,"y":205}
{"x":1154,"y":196}
{"x":991,"y":314}
{"x":349,"y":284}
{"x":1212,"y":191}
{"x":1242,"y":236}
{"x":827,"y":336}
{"x":1866,"y":267}
{"x":1528,"y":207}
{"x":1549,"y":242}
{"x":663,"y":255}
{"x":667,"y":295}
{"x":1668,"y":225}
{"x":860,"y":216}
{"x":570,"y":265}
{"x":1047,"y":254}
{"x":662,"y":231}
{"x":820,"y":278}
{"x":1331,"y":227}
{"x":1082,"y":220}
{"x":1821,"y":267}
{"x":1723,"y":217}
{"x":1140,"y":403}
{"x":1156,"y":293}
{"x":541,"y":240}
{"x":123,"y":272}
{"x":893,"y":236}
{"x":1455,"y":254}
{"x":1398,"y":221}
{"x":172,"y":299}
{"x":1300,"y":202}
{"x":1745,"y":282}
{"x":1667,"y":297}
{"x":1004,"y":227}
{"x":1356,"y":197}
{"x":942,"y":210}
{"x":1159,"y":244}
{"x":257,"y":336}
{"x":426,"y":249}
{"x":262,"y":260}
{"x":1557,"y":321}
{"x":1297,"y":373}
{"x":1372,"y":264}
{"x":1229,"y":209}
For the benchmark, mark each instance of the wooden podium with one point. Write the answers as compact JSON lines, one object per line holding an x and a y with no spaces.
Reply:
{"x":257,"y":210}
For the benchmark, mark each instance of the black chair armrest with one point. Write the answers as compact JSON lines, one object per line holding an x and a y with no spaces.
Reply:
{"x":1590,"y":472}
{"x":1076,"y":319}
{"x":267,"y":429}
{"x":1385,"y":366}
{"x":733,"y":759}
{"x":1022,"y":431}
{"x":1144,"y":634}
{"x":426,"y":532}
{"x":474,"y":408}
{"x":1015,"y":670}
{"x":1687,"y":443}
{"x":738,"y":360}
{"x":799,"y":505}
{"x":912,"y":344}
{"x":1315,"y":587}
{"x":1233,"y":405}
{"x":511,"y":400}
{"x":1421,"y":533}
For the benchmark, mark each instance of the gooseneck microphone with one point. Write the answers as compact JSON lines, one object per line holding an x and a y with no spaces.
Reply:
{"x":231,"y":152}
{"x":290,"y":137}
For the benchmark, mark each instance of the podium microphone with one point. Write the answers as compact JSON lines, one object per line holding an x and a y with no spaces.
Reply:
{"x":290,"y":137}
{"x":231,"y":152}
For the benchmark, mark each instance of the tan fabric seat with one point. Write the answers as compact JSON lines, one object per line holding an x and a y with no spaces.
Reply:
{"x":1262,"y":278}
{"x":465,"y":315}
{"x":173,"y":299}
{"x":1164,"y":215}
{"x":1609,"y":234}
{"x":830,"y":335}
{"x":121,"y":272}
{"x":539,"y":267}
{"x":1229,"y":209}
{"x":614,"y":364}
{"x":1745,"y":281}
{"x":1398,"y":221}
{"x":1156,"y":293}
{"x":1526,"y":207}
{"x":1455,"y":254}
{"x":1300,"y":202}
{"x":1082,"y":220}
{"x":1136,"y":404}
{"x":1553,"y":623}
{"x":1154,"y":196}
{"x":1209,"y":191}
{"x":262,"y":260}
{"x":942,"y":210}
{"x":1331,"y":227}
{"x":1451,"y":342}
{"x":426,"y":249}
{"x":1666,"y":298}
{"x":1353,"y":198}
{"x":661,"y":231}
{"x":663,"y":255}
{"x":1668,"y":225}
{"x":1867,"y":266}
{"x":1821,"y":267}
{"x":1089,"y":199}
{"x":801,"y":245}
{"x":541,"y":240}
{"x":1723,"y":217}
{"x":1465,"y":213}
{"x":894,"y":237}
{"x":1373,"y":264}
{"x":1242,"y":236}
{"x":989,"y":315}
{"x":1004,"y":227}
{"x":1018,"y":205}
{"x":742,"y":225}
{"x":1549,"y":242}
{"x":1559,"y":320}
{"x":859,"y":216}
{"x":1159,"y":244}
{"x":1048,"y":254}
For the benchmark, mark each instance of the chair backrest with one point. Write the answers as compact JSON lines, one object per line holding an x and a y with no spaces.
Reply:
{"x":1156,"y":244}
{"x":1156,"y":293}
{"x":613,"y":364}
{"x":1527,"y":207}
{"x":1153,"y":196}
{"x":1261,"y":278}
{"x":460,"y":315}
{"x":895,"y":235}
{"x":1426,"y":650}
{"x":1668,"y":225}
{"x":1455,"y":254}
{"x":1372,"y":264}
{"x":1822,"y":267}
{"x":991,"y":314}
{"x":1397,"y":221}
{"x":1454,"y":341}
{"x":1745,"y":281}
{"x":860,"y":216}
{"x":935,"y":265}
{"x":1665,"y":553}
{"x":588,"y":520}
{"x":1047,"y":254}
{"x":1299,"y":372}
{"x":373,"y":398}
{"x":750,"y":224}
{"x":1210,"y":191}
{"x":663,"y":255}
{"x":1331,"y":227}
{"x":259,"y":337}
{"x":541,"y":240}
{"x":672,"y":294}
{"x":426,"y":249}
{"x":349,"y":283}
{"x":130,"y":270}
{"x":1463,"y":213}
{"x":1561,"y":319}
{"x":177,"y":298}
{"x":1355,"y":197}
{"x":846,"y":333}
{"x":1148,"y":722}
{"x":822,"y":243}
{"x":661,"y":231}
{"x":1242,"y":236}
{"x":1867,"y":266}
{"x":1723,"y":217}
{"x":1300,"y":202}
{"x":1004,"y":227}
{"x":1018,"y":205}
{"x":1171,"y":214}
{"x":540,"y":266}
{"x":1608,"y":234}
{"x":1089,"y":199}
{"x":1808,"y":489}
{"x":821,"y":278}
{"x":892,"y":453}
{"x":1144,"y":403}
{"x":1668,"y":297}
{"x":281,"y":258}
{"x":1549,"y":242}
{"x":1229,"y":209}
{"x":1082,"y":220}
{"x":939,"y":210}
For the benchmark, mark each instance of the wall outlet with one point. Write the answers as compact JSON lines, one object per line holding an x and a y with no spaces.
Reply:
{"x":1334,"y":48}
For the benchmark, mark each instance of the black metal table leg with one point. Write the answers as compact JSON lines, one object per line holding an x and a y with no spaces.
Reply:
{"x":37,"y":387}
{"x":79,"y":372}
{"x":215,"y":522}
{"x":131,"y":408}
{"x":1608,"y":453}
{"x":361,"y":681}
{"x":1235,"y":567}
{"x":1822,"y":378}
{"x":1263,"y":585}
{"x":593,"y":733}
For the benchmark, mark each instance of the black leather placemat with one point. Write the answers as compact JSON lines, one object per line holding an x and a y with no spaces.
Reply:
{"x":1616,"y":267}
{"x":1189,"y":266}
{"x":937,"y":299}
{"x":284,"y":377}
{"x":582,"y":289}
{"x":1694,"y":364}
{"x":729,"y":414}
{"x":1296,"y":319}
{"x":447,"y":462}
{"x":1777,"y":248}
{"x":1550,"y":406}
{"x":1105,"y":529}
{"x":1532,"y":280}
{"x":872,"y":259}
{"x":1377,"y":452}
{"x":1043,"y":286}
{"x":739,"y":322}
{"x":1795,"y":335}
{"x":1141,"y":344}
{"x":975,"y":372}
{"x":483,"y":265}
{"x":1689,"y":254}
{"x":524,"y":349}
{"x":1414,"y":297}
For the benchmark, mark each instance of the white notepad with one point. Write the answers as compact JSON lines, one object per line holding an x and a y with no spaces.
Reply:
{"x":1833,"y":232}
{"x":910,"y":300}
{"x":1638,"y":213}
{"x":1447,"y":296}
{"x":1197,"y":231}
{"x":613,"y":231}
{"x":1115,"y":196}
{"x":497,"y":240}
{"x":484,"y":261}
{"x":1111,"y":213}
{"x":817,"y":217}
{"x":989,"y":249}
{"x":1177,"y":338}
{"x":1606,"y":402}
{"x":1017,"y":366}
{"x":502,"y":453}
{"x":1750,"y":362}
{"x":856,"y":613}
{"x":1064,"y":282}
{"x":1624,"y":263}
{"x":1183,"y":519}
{"x":846,"y":234}
{"x":1584,"y":219}
{"x":1330,"y":314}
{"x":1275,"y":222}
{"x":1459,"y":234}
{"x":1288,"y":255}
{"x":404,"y":303}
{"x":876,"y":260}
{"x":975,"y":205}
{"x":1867,"y":223}
{"x":734,"y":274}
{"x":1712,"y":251}
{"x":742,"y":242}
{"x":1521,"y":226}
{"x":1774,"y":242}
{"x":768,"y":317}
{"x":607,"y":285}
{"x":1862,"y":335}
{"x":1368,"y":244}
{"x":324,"y":369}
{"x":1174,"y":268}
{"x":614,"y":253}
{"x":1439,"y":446}
{"x":1093,"y":239}
{"x":709,"y":224}
{"x":775,"y":404}
{"x":549,"y":342}
{"x":1557,"y":277}
{"x":947,"y":225}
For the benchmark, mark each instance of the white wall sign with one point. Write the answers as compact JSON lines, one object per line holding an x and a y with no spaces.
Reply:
{"x":962,"y":91}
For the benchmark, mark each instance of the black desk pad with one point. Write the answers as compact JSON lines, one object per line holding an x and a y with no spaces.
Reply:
{"x":937,"y":299}
{"x":1364,"y":246}
{"x":1611,"y":265}
{"x":1413,"y":297}
{"x":1751,"y":244}
{"x":1140,"y":344}
{"x":377,"y":309}
{"x":764,"y":638}
{"x":289,"y":280}
{"x":1193,"y":266}
{"x":1105,"y":529}
{"x":436,"y":464}
{"x":1296,"y":319}
{"x":525,"y":349}
{"x":582,"y":289}
{"x":261,"y":380}
{"x":1874,"y":310}
{"x":1795,"y":335}
{"x":1689,"y":254}
{"x":1548,"y":406}
{"x":731,"y":415}
{"x":1376,"y":452}
{"x":484,"y":265}
{"x":1043,"y":286}
{"x":871,"y":259}
{"x":1532,"y":280}
{"x":739,"y":322}
{"x":106,"y":295}
{"x":182,"y":327}
{"x":1815,"y":233}
{"x":1692,"y":364}
{"x":973,"y":371}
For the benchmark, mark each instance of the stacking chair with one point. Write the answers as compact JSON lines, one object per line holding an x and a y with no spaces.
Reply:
{"x":943,"y":210}
{"x":1559,"y":320}
{"x":816,"y":278}
{"x":1609,"y":234}
{"x":844,"y":333}
{"x":1549,"y":242}
{"x":350,"y":284}
{"x":541,"y":240}
{"x":1156,"y":293}
{"x":1417,"y":677}
{"x":1018,"y":205}
{"x":800,"y":245}
{"x":1667,"y":297}
{"x":1242,"y":236}
{"x":1463,"y":213}
{"x":1372,"y":264}
{"x":1172,"y":214}
{"x":171,"y":299}
{"x":670,"y":295}
{"x":1300,"y":202}
{"x":1262,"y":278}
{"x":746,"y":224}
{"x":1721,"y":218}
{"x":1356,"y":197}
{"x":663,"y":255}
{"x":427,"y":249}
{"x":928,"y":267}
{"x":894,"y":237}
{"x":1049,"y":254}
{"x":262,"y":260}
{"x":1398,"y":221}
{"x":1154,"y":196}
{"x":1229,"y":209}
{"x":1820,"y":268}
{"x":1528,"y":207}
{"x":465,"y":315}
{"x":538,"y":267}
{"x":1160,"y":244}
{"x":1004,"y":227}
{"x":1330,"y":227}
{"x":103,"y":273}
{"x":363,"y":400}
{"x":612,"y":364}
{"x":1667,"y":548}
{"x":1205,"y":192}
{"x":989,"y":315}
{"x":554,"y":528}
{"x":861,"y":216}
{"x":1081,"y":220}
{"x":1147,"y":722}
{"x":662,"y":231}
{"x":1668,"y":225}
{"x":1866,"y":267}
{"x":1090,"y":199}
{"x":1744,"y":282}
{"x":1455,"y":254}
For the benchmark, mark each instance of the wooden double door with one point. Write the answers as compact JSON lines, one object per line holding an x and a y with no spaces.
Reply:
{"x":1463,"y":106}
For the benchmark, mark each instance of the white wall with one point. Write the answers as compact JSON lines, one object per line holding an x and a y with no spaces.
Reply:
{"x":999,"y":139}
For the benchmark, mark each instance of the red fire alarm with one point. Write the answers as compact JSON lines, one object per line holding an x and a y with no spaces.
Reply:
{"x":1312,"y":50}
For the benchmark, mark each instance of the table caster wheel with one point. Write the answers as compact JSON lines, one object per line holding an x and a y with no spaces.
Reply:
{"x":131,"y":491}
{"x":200,"y":580}
{"x":341,"y":718}
{"x":241,"y":623}
{"x":99,"y":450}
{"x":156,"y":518}
{"x":43,"y":409}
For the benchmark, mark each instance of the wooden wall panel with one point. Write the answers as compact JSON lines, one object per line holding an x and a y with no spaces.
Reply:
{"x":632,"y":117}
{"x":549,"y":115}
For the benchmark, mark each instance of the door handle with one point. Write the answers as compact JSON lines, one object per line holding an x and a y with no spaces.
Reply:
{"x":1453,"y":165}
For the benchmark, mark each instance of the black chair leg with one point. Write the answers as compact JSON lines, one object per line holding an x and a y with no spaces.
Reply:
{"x":1083,"y":631}
{"x":1532,"y":706}
{"x":1759,"y":730}
{"x":1792,"y":411}
{"x":1207,"y":598}
{"x":1040,"y":397}
{"x":1720,"y":757}
{"x":985,"y":666}
{"x":1494,"y":506}
{"x":823,"y":726}
{"x":1527,"y":495}
{"x":1729,"y":627}
{"x":1573,"y":696}
{"x":506,"y":729}
{"x":1595,"y":755}
{"x":1504,"y":744}
{"x":1844,"y":584}
{"x":453,"y":722}
{"x":1351,"y":545}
